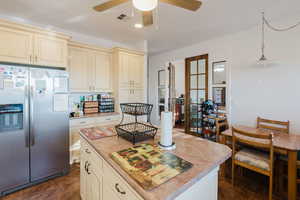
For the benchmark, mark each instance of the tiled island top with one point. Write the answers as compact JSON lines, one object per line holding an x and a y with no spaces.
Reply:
{"x":203,"y":154}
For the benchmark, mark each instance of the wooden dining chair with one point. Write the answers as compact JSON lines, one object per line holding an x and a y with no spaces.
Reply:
{"x":274,"y":125}
{"x":255,"y":160}
{"x":221,"y":125}
{"x":277,"y":127}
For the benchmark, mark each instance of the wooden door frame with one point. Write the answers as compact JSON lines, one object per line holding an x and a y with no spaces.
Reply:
{"x":187,"y":87}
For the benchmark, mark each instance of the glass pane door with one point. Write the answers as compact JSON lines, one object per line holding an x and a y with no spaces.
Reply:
{"x":196,"y":92}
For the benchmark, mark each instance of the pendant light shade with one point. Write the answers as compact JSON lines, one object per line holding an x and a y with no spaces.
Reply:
{"x":145,"y":5}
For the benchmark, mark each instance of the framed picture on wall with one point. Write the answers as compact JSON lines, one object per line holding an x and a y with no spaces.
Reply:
{"x":219,"y":73}
{"x":219,"y":96}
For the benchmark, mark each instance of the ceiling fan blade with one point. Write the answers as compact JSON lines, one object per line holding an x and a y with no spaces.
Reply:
{"x":192,"y":5}
{"x":109,"y":4}
{"x":147,"y":18}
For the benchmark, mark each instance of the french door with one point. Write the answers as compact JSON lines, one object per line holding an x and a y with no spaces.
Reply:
{"x":196,"y":81}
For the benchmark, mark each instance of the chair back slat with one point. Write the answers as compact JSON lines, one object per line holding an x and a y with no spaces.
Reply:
{"x":274,"y":125}
{"x":253,"y":139}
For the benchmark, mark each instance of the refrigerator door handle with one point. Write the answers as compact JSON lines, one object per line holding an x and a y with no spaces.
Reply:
{"x":32,"y":137}
{"x":27,"y":135}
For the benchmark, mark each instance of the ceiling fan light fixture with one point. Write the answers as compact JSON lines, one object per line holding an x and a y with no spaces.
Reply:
{"x":138,"y":26}
{"x":145,"y":5}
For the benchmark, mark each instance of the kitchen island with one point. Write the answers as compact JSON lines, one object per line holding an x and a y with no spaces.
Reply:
{"x":102,"y":178}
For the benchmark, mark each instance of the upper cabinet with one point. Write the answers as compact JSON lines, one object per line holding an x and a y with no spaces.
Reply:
{"x":50,"y":51}
{"x":16,"y":46}
{"x":103,"y":71}
{"x":79,"y":69}
{"x":129,"y":76}
{"x":90,"y":68}
{"x":30,"y":45}
{"x":131,"y":68}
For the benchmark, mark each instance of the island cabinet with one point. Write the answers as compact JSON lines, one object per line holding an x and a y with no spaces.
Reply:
{"x":76,"y":124}
{"x":98,"y":181}
{"x":30,"y":45}
{"x":100,"y":171}
{"x":90,"y":68}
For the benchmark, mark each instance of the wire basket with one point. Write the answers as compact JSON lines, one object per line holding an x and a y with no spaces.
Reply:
{"x":136,"y":131}
{"x":136,"y":109}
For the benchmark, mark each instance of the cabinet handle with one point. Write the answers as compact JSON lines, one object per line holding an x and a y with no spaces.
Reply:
{"x":36,"y":59}
{"x":88,"y":168}
{"x":30,"y":58}
{"x":85,"y":166}
{"x":118,"y":189}
{"x":87,"y":151}
{"x":82,"y":122}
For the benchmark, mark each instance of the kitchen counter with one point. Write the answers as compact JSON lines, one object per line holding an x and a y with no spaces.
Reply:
{"x":206,"y":157}
{"x":95,"y":115}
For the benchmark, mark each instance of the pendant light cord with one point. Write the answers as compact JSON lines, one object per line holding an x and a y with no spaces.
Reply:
{"x":263,"y":35}
{"x":279,"y":29}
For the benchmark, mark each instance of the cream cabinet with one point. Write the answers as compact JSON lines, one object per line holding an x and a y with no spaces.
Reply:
{"x":129,"y":76}
{"x":30,"y":45}
{"x":131,"y":67}
{"x":102,"y":71}
{"x":99,"y":181}
{"x":16,"y":46}
{"x":90,"y":69}
{"x":90,"y":178}
{"x":77,"y":124}
{"x":79,"y":70}
{"x":50,"y":51}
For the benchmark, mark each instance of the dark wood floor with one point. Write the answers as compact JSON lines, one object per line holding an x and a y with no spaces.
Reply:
{"x":251,"y":187}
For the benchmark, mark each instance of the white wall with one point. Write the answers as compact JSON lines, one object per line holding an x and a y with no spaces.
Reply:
{"x":271,"y":92}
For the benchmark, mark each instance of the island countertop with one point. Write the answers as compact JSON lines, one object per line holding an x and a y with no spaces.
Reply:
{"x":203,"y":154}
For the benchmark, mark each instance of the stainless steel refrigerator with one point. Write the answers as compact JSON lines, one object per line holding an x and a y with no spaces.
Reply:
{"x":34,"y":126}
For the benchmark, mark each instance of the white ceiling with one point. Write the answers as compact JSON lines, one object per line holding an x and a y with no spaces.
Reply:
{"x":177,"y":27}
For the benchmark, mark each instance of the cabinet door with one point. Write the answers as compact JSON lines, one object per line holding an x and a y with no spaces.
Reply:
{"x":16,"y":46}
{"x":83,"y":178}
{"x":94,"y":185}
{"x":50,"y":51}
{"x":137,"y":96}
{"x":108,"y":194}
{"x":79,"y":70}
{"x":124,"y":95}
{"x":103,"y":72}
{"x":124,"y":70}
{"x":136,"y":71}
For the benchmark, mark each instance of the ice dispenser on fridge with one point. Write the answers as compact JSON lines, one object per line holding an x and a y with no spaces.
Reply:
{"x":11,"y":117}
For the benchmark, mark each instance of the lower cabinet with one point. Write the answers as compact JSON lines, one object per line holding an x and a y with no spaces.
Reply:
{"x":90,"y":176}
{"x":98,"y":181}
{"x":77,"y":124}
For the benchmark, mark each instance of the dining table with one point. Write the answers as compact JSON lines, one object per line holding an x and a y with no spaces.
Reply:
{"x":284,"y":144}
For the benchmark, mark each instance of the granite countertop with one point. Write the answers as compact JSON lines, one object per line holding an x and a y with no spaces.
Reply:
{"x":95,"y":115}
{"x":203,"y":154}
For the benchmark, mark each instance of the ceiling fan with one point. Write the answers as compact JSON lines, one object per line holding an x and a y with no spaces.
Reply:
{"x":147,"y":6}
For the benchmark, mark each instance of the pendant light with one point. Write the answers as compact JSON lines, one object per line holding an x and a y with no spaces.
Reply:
{"x":145,"y":5}
{"x":263,"y":60}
